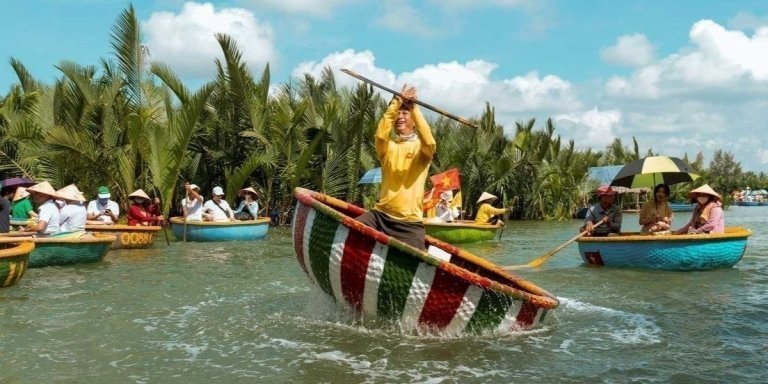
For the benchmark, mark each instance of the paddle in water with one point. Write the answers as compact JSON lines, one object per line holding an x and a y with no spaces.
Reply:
{"x":541,"y":260}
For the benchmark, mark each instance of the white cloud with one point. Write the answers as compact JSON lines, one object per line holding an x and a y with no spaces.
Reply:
{"x":186,"y":41}
{"x":467,"y":4}
{"x":461,"y":88}
{"x":306,"y":7}
{"x":596,"y":129}
{"x":762,"y":155}
{"x":718,"y":59}
{"x":630,"y":50}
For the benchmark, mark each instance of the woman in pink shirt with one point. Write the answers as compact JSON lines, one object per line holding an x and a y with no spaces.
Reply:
{"x":708,"y":214}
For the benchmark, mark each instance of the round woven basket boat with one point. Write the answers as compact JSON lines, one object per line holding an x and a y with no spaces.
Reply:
{"x":445,"y":290}
{"x":14,"y":256}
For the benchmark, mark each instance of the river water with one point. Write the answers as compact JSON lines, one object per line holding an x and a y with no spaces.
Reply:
{"x":245,"y":312}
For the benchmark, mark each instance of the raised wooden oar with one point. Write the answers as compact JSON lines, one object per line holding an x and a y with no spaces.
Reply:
{"x":541,"y":260}
{"x":423,"y":104}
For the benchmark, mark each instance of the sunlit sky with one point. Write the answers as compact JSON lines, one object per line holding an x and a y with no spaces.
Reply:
{"x":680,"y":76}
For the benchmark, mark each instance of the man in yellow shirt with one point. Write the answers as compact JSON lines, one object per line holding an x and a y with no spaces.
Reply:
{"x":405,"y":162}
{"x":486,"y":212}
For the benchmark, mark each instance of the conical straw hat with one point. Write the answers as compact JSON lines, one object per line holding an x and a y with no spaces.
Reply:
{"x":21,"y":193}
{"x":139,"y":193}
{"x":45,"y":188}
{"x":485,"y":196}
{"x":249,"y":189}
{"x":71,"y":193}
{"x":704,"y":190}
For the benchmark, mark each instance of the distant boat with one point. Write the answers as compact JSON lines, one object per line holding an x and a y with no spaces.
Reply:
{"x":14,"y":256}
{"x":750,"y":203}
{"x":681,"y":207}
{"x":667,"y":252}
{"x":220,"y":230}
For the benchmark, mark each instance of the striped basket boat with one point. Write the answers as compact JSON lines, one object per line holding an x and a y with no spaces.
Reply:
{"x":446,"y":291}
{"x":14,"y":255}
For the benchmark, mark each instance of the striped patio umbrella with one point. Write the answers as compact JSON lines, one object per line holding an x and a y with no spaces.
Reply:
{"x":654,"y":170}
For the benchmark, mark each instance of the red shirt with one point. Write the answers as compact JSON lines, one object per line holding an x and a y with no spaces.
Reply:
{"x":138,"y":216}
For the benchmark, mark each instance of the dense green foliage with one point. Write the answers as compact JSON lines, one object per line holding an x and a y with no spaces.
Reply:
{"x":128,"y":124}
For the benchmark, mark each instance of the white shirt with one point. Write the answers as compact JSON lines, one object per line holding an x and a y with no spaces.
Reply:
{"x":95,"y":208}
{"x":447,"y":214}
{"x":193,"y":209}
{"x":72,"y":218}
{"x":49,"y":213}
{"x":218,"y":214}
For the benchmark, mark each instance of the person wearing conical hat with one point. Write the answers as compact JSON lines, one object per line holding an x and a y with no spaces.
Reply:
{"x":708,"y":215}
{"x":138,"y":212}
{"x":405,"y":160}
{"x":48,"y":217}
{"x":73,"y":214}
{"x":21,"y":207}
{"x":487,"y":213}
{"x":248,"y":209}
{"x":103,"y":210}
{"x":605,"y":213}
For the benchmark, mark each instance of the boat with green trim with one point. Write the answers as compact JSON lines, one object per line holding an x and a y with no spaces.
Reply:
{"x":240,"y":230}
{"x":127,"y":236}
{"x":14,"y":256}
{"x":445,"y":290}
{"x":461,"y":231}
{"x":697,"y":252}
{"x":65,"y":249}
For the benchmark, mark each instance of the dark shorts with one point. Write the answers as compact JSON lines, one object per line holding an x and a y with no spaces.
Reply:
{"x":410,"y":233}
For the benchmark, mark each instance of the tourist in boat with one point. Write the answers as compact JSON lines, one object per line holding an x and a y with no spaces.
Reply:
{"x":708,"y":216}
{"x":21,"y":207}
{"x":140,"y":212}
{"x":217,"y":209}
{"x":48,"y":217}
{"x":487,"y":213}
{"x":603,"y":210}
{"x":192,"y":205}
{"x":656,"y":215}
{"x":6,"y":193}
{"x":444,"y":211}
{"x":72,"y":215}
{"x":248,"y":209}
{"x":405,"y":161}
{"x":103,"y":210}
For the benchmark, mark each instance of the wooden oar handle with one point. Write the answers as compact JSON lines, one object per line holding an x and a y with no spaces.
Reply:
{"x":423,"y":104}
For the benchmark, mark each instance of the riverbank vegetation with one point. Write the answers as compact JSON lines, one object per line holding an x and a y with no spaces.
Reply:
{"x":130,"y":124}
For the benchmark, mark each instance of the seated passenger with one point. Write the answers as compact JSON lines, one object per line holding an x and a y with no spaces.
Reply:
{"x":139,"y":212}
{"x":103,"y":210}
{"x":72,"y":215}
{"x":48,"y":217}
{"x":444,"y":210}
{"x":604,"y":210}
{"x":656,"y":215}
{"x":488,"y":214}
{"x":248,"y":206}
{"x":217,"y":209}
{"x":708,"y":216}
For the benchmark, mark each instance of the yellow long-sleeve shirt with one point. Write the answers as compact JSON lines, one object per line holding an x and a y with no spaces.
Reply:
{"x":486,"y":212}
{"x":404,"y":166}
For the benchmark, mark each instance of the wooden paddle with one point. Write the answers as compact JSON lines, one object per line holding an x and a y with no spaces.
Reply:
{"x":541,"y":260}
{"x":165,"y":232}
{"x":423,"y":104}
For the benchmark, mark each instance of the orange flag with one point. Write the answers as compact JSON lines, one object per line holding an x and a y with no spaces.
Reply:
{"x":446,"y":181}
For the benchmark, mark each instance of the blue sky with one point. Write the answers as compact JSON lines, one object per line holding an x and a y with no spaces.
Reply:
{"x":680,"y":76}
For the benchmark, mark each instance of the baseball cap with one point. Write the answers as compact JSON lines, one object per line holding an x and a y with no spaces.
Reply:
{"x":218,"y":191}
{"x":104,"y":192}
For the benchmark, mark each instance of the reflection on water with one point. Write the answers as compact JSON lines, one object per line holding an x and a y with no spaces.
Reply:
{"x":245,"y":312}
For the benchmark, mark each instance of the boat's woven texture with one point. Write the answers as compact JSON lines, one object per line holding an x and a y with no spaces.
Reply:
{"x":13,"y":262}
{"x":381,"y":281}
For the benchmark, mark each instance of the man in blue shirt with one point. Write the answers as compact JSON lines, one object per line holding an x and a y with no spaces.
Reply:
{"x":603,"y":210}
